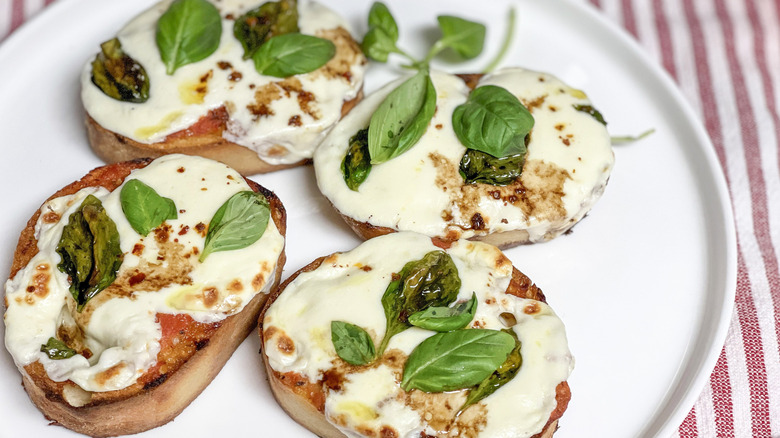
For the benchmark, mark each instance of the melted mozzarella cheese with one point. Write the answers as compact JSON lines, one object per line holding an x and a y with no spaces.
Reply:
{"x":567,"y":167}
{"x":282,"y":120}
{"x":119,"y":324}
{"x":349,"y":287}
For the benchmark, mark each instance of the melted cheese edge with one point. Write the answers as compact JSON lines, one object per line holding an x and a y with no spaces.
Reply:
{"x":567,"y":167}
{"x":349,"y":286}
{"x":121,"y":328}
{"x":281,"y":133}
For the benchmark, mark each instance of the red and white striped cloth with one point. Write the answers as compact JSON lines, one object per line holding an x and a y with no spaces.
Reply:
{"x":725,"y":56}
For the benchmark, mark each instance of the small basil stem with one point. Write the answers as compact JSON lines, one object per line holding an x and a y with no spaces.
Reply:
{"x":437,"y":47}
{"x":510,"y":32}
{"x":382,"y":346}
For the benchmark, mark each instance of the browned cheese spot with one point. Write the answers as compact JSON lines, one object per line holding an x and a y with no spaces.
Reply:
{"x":235,"y":76}
{"x":263,"y":98}
{"x":348,"y":53}
{"x":295,"y":120}
{"x":224,"y":65}
{"x":162,"y":233}
{"x":387,"y":432}
{"x":39,"y":284}
{"x":439,"y":126}
{"x":210,"y":296}
{"x":560,"y":126}
{"x":532,"y":309}
{"x":51,"y":218}
{"x":235,"y":286}
{"x":285,"y":344}
{"x":201,"y":228}
{"x":184,"y":229}
{"x":532,"y":104}
{"x":104,"y":376}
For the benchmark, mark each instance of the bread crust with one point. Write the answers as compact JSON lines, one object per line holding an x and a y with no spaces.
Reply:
{"x":205,"y":140}
{"x":141,"y":406}
{"x":305,"y":401}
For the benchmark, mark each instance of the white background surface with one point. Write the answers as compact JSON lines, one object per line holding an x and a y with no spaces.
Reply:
{"x":644,"y":284}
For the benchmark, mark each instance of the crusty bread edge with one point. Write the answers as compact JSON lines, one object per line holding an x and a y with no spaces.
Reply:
{"x":306,"y":414}
{"x":160,"y":404}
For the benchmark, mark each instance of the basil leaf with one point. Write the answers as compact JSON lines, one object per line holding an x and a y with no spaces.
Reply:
{"x":144,"y":208}
{"x":377,"y":45}
{"x":291,"y":54}
{"x":445,"y":319}
{"x":592,"y":111}
{"x":188,"y":32}
{"x":499,"y":377}
{"x":352,"y":343}
{"x":357,"y":163}
{"x":479,"y":167}
{"x":456,"y":360}
{"x":431,"y":281}
{"x":57,"y":349}
{"x":465,"y":37}
{"x":238,"y":223}
{"x":89,"y":251}
{"x":493,"y":121}
{"x":119,"y":76}
{"x":401,"y":118}
{"x":379,"y":17}
{"x":264,"y":22}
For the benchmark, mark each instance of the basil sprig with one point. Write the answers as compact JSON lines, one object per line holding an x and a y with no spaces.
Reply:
{"x":479,"y":167}
{"x":382,"y":35}
{"x":352,"y":343}
{"x":90,"y":252}
{"x":357,"y":162}
{"x":593,"y":112}
{"x":57,"y":350}
{"x":144,"y":208}
{"x":189,"y":31}
{"x":456,"y":360}
{"x":238,"y":223}
{"x":118,"y":75}
{"x":401,"y":118}
{"x":291,"y":54}
{"x":431,"y":281}
{"x":445,"y":319}
{"x":264,"y":22}
{"x":465,"y":37}
{"x":500,"y":377}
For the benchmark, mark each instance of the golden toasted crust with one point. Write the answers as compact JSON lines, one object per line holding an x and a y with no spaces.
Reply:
{"x":205,"y":141}
{"x":305,"y":401}
{"x":141,"y":406}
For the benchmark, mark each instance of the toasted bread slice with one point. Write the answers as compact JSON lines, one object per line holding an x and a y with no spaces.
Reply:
{"x":334,"y":399}
{"x":192,"y":348}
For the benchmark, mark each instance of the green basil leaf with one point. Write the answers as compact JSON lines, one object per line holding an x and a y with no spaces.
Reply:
{"x":144,"y":208}
{"x":493,"y":121}
{"x":479,"y":167}
{"x":499,"y":377}
{"x":377,"y":45}
{"x":456,"y":360}
{"x":264,"y":22}
{"x":465,"y":37}
{"x":188,"y":32}
{"x":118,"y":75}
{"x":291,"y":54}
{"x":89,"y":251}
{"x":401,"y":118}
{"x":379,"y":17}
{"x":238,"y":223}
{"x":57,"y":349}
{"x":352,"y":343}
{"x":445,"y":319}
{"x":592,"y":111}
{"x":357,"y":163}
{"x":431,"y":281}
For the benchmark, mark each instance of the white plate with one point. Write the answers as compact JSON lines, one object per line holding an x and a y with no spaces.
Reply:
{"x":645,"y":284}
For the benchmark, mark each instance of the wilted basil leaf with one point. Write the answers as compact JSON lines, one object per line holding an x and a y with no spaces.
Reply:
{"x":431,"y":281}
{"x":493,"y":121}
{"x":479,"y":167}
{"x":401,"y":118}
{"x":357,"y":163}
{"x":57,"y":349}
{"x":264,"y":22}
{"x":445,"y":319}
{"x":465,"y":37}
{"x":238,"y":223}
{"x":90,"y":252}
{"x":352,"y":343}
{"x":291,"y":54}
{"x":144,"y":208}
{"x":592,"y":111}
{"x":499,"y":377}
{"x":189,"y":31}
{"x":119,"y":76}
{"x":456,"y":360}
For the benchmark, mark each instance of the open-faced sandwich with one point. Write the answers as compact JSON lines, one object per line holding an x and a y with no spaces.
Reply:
{"x":408,"y":336}
{"x":254,"y":85}
{"x":131,"y":288}
{"x":512,"y":157}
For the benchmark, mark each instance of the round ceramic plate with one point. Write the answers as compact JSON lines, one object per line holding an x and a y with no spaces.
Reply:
{"x":645,"y":284}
